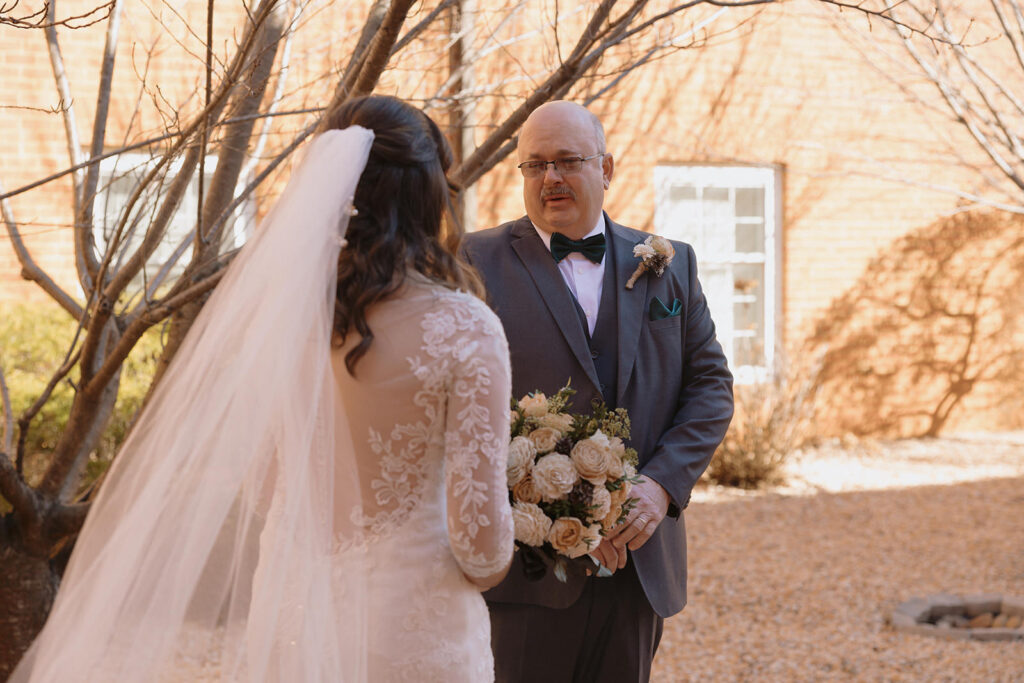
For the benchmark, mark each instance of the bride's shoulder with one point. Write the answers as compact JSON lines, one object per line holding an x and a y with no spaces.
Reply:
{"x":457,"y":309}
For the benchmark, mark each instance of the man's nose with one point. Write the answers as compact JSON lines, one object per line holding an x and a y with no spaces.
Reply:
{"x":551,"y":173}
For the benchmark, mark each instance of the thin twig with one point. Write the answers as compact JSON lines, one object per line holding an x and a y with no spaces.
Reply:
{"x":5,"y":405}
{"x":38,"y":19}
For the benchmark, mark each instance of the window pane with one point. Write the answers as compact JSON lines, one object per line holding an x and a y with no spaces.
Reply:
{"x":750,"y":238}
{"x":750,"y":201}
{"x":748,"y":351}
{"x":716,"y":194}
{"x":748,"y":313}
{"x":678,"y":193}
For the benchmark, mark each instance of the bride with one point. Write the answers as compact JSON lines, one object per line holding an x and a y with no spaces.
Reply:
{"x":316,"y":491}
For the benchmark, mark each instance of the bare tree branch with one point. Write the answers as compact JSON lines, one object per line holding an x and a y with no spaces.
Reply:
{"x":234,"y":144}
{"x":374,"y":19}
{"x":148,"y":142}
{"x":42,"y":18}
{"x":18,"y":493}
{"x":30,"y":270}
{"x":413,"y":33}
{"x":85,"y":244}
{"x":25,"y":420}
{"x":85,"y":277}
{"x":153,"y":315}
{"x":5,"y":406}
{"x":380,"y":49}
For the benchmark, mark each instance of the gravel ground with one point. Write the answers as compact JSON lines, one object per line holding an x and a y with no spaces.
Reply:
{"x":794,"y":583}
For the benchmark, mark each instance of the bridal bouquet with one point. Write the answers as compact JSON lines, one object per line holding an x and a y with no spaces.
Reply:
{"x":569,"y":478}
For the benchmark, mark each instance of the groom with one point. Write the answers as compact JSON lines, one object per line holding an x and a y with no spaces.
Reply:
{"x":556,"y":278}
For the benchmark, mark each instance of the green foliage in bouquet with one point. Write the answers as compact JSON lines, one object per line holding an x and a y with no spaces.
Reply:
{"x":569,"y":479}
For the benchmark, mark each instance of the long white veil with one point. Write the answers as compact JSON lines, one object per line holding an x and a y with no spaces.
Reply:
{"x":205,"y":555}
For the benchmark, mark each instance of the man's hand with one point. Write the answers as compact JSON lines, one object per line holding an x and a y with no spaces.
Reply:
{"x":637,"y":528}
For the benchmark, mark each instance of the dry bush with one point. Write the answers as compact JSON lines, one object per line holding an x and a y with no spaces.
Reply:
{"x":773,"y":419}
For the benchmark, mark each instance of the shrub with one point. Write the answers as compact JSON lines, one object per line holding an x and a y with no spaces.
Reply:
{"x":34,"y":340}
{"x":772,"y":420}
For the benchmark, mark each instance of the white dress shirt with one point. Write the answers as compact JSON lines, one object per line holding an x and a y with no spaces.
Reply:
{"x":584,"y":278}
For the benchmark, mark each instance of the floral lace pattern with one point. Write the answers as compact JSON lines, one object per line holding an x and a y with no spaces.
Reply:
{"x":429,"y":416}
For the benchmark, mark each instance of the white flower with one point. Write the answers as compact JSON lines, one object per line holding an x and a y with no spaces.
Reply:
{"x":644,"y":251}
{"x":600,"y":503}
{"x":566,"y":535}
{"x":525,"y":491}
{"x":616,"y":452}
{"x":545,"y":439}
{"x":531,"y":524}
{"x":554,"y":476}
{"x":590,"y":456}
{"x":534,"y":406}
{"x":560,"y":421}
{"x":520,"y":459}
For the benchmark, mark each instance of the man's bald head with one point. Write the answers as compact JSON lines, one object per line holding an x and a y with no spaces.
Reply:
{"x":562,"y":113}
{"x":566,"y":201}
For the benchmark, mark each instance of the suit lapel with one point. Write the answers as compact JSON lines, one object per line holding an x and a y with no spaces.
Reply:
{"x":553,"y":290}
{"x":631,"y":304}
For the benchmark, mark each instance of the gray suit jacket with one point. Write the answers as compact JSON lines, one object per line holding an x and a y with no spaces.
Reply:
{"x":672,"y":378}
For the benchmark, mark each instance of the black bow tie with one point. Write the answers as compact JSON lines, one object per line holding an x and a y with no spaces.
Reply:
{"x":592,"y":247}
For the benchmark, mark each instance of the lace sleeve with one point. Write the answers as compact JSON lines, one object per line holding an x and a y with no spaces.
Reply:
{"x":476,"y":448}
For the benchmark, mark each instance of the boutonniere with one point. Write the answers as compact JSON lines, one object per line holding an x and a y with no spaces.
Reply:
{"x":655,"y":253}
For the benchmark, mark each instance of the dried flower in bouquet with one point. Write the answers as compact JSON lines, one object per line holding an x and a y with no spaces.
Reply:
{"x":569,"y":478}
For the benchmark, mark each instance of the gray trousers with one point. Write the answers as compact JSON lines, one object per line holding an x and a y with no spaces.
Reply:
{"x":609,"y":635}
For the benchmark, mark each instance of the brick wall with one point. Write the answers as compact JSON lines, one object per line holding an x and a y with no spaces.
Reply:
{"x":785,"y":87}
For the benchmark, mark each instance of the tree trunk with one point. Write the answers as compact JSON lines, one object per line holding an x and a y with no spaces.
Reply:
{"x":28,"y":586}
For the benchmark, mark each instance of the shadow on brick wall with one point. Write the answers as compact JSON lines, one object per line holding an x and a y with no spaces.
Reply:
{"x":935,"y":322}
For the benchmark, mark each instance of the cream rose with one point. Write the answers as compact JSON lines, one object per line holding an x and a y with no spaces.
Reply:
{"x":520,"y":459}
{"x":531,"y":524}
{"x":629,"y":470}
{"x":525,"y":491}
{"x":590,"y":537}
{"x":559,"y":421}
{"x":534,"y":406}
{"x":600,"y":503}
{"x":565,"y":536}
{"x":616,"y":451}
{"x":590,"y":457}
{"x":545,"y":438}
{"x":554,"y":476}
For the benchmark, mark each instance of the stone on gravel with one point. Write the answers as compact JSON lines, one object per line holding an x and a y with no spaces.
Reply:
{"x":982,"y":602}
{"x":981,"y":621}
{"x":943,"y":604}
{"x":1013,"y":605}
{"x":996,"y":634}
{"x":918,"y":609}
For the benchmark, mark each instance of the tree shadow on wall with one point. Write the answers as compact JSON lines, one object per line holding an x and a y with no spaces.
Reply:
{"x":935,"y":318}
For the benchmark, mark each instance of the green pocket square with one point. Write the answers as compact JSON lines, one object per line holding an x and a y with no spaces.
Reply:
{"x":659,"y":311}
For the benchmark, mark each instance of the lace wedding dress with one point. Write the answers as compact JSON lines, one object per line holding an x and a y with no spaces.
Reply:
{"x":428,"y":410}
{"x":273,"y":518}
{"x":428,"y":415}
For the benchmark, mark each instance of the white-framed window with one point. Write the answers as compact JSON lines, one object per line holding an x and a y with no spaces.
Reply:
{"x":119,"y":176}
{"x":731,"y":215}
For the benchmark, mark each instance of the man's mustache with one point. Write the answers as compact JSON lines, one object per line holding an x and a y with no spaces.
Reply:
{"x":557,"y":189}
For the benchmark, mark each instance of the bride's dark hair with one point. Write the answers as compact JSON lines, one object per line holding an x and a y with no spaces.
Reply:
{"x":400,"y":200}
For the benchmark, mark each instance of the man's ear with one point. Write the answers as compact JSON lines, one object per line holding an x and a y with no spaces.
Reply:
{"x":608,"y":169}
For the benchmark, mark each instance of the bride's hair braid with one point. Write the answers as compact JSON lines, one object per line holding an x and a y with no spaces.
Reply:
{"x":401,"y":200}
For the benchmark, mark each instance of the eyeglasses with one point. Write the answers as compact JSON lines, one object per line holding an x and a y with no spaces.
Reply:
{"x":532,"y":169}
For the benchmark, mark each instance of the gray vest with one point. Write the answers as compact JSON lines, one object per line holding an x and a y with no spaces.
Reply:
{"x":604,"y":343}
